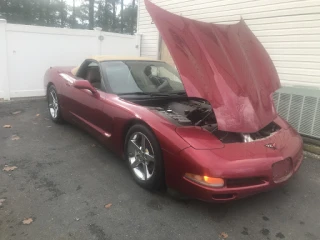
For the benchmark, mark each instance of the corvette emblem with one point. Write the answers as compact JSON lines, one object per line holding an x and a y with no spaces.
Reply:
{"x":271,"y":145}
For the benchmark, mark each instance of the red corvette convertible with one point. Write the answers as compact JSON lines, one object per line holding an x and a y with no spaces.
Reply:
{"x":207,"y":129}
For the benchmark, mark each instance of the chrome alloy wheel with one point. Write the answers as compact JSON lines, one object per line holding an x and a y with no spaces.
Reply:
{"x":53,"y":104}
{"x":141,"y":156}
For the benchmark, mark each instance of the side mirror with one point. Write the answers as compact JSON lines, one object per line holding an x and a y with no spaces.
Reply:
{"x":84,"y":84}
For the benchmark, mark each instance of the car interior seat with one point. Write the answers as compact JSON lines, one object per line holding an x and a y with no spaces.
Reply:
{"x":94,"y":77}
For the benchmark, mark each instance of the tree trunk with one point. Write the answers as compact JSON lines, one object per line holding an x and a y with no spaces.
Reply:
{"x":48,"y":14}
{"x":106,"y":26}
{"x":132,"y":17}
{"x":62,"y":13}
{"x":74,"y":14}
{"x":5,"y":10}
{"x":113,"y":15}
{"x":91,"y":14}
{"x":121,"y":27}
{"x":41,"y":15}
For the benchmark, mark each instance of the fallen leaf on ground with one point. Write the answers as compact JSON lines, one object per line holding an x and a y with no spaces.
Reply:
{"x":1,"y":201}
{"x":8,"y":168}
{"x":27,"y":221}
{"x":224,"y":235}
{"x":108,"y":205}
{"x":16,"y":112}
{"x":7,"y":126}
{"x":38,"y":115}
{"x":15,"y":137}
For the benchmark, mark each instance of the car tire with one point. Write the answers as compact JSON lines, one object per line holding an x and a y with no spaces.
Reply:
{"x":146,"y":165}
{"x":54,"y":105}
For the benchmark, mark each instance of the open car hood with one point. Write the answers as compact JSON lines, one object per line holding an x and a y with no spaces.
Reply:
{"x":224,"y":64}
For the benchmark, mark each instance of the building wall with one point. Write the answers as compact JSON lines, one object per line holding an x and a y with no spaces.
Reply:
{"x":28,"y":51}
{"x":288,"y":29}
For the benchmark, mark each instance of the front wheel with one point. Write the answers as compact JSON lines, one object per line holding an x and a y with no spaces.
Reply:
{"x":53,"y":105}
{"x":144,"y":158}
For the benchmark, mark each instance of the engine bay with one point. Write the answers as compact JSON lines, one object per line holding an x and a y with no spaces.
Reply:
{"x":198,"y":112}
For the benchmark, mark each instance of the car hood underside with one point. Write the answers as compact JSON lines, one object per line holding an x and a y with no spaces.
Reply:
{"x":224,"y":64}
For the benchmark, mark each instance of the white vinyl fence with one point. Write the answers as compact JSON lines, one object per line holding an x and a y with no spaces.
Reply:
{"x":26,"y":52}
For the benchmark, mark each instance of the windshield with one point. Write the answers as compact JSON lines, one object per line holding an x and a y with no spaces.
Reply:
{"x":125,"y":77}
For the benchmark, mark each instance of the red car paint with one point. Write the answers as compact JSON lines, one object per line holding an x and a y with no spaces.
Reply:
{"x":184,"y":149}
{"x":224,"y":64}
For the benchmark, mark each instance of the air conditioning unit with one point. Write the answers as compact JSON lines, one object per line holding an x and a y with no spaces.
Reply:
{"x":302,"y":112}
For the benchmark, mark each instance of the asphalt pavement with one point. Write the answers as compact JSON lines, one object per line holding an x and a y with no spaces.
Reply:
{"x":67,"y":186}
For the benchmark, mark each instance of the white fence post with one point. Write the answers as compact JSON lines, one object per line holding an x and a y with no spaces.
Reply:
{"x":98,"y":31}
{"x":4,"y":80}
{"x":138,"y":43}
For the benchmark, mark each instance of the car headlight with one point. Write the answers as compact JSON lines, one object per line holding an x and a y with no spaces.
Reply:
{"x":205,"y":180}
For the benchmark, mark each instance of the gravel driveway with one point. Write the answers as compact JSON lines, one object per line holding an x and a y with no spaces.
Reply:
{"x":64,"y":179}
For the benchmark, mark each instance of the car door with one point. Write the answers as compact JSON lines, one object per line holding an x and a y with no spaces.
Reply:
{"x":86,"y":107}
{"x":117,"y":78}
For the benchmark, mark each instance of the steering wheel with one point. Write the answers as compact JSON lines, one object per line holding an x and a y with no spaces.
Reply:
{"x":164,"y":84}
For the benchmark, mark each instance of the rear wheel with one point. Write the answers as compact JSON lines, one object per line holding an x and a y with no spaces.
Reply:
{"x":53,"y":105}
{"x":144,"y":158}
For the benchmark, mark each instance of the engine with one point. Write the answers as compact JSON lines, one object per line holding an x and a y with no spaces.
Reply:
{"x":199,"y":113}
{"x":188,"y":113}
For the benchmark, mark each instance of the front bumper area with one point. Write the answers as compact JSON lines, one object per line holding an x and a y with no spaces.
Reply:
{"x":245,"y":176}
{"x":259,"y":179}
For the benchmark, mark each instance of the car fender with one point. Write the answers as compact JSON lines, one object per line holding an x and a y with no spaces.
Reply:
{"x":129,"y":113}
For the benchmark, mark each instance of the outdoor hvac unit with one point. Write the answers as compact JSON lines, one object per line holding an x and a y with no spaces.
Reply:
{"x":302,"y":112}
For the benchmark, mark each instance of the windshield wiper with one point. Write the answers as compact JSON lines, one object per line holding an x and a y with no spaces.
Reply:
{"x":166,"y":94}
{"x":179,"y":93}
{"x":133,"y":93}
{"x":159,"y":94}
{"x":154,"y":94}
